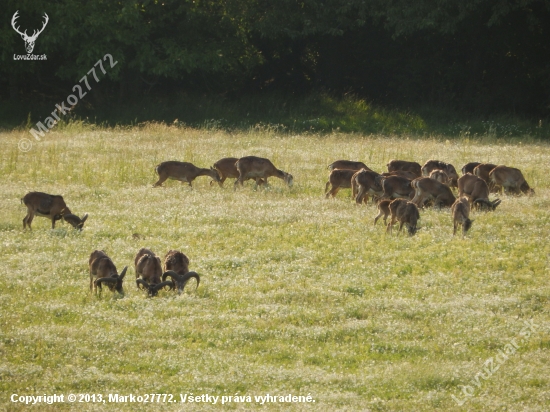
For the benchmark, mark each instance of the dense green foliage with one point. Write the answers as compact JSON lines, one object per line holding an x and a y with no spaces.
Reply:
{"x":476,"y":56}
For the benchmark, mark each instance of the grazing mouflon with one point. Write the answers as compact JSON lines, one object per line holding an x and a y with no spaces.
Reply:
{"x":511,"y":180}
{"x":182,"y":171}
{"x":258,"y":168}
{"x":103,"y":271}
{"x":406,"y":213}
{"x":50,"y":206}
{"x":460,"y":211}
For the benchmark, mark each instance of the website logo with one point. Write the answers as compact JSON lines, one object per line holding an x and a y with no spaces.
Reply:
{"x":29,"y":40}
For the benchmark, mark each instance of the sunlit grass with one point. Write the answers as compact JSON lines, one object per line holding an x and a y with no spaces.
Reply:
{"x":298,"y":294}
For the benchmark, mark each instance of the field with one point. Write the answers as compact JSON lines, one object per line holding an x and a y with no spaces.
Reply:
{"x":299,"y":295}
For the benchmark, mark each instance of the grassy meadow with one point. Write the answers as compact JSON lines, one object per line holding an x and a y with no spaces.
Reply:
{"x":298,"y":295}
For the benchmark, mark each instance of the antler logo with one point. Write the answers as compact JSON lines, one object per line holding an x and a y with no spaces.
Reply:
{"x":29,"y":40}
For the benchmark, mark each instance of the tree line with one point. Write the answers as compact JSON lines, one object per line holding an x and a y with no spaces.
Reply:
{"x":477,"y":56}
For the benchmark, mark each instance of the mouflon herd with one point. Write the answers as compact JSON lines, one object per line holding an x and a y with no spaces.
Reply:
{"x":398,"y":193}
{"x":408,"y":186}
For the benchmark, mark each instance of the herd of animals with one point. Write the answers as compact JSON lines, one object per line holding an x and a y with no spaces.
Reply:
{"x":408,"y":186}
{"x":149,"y":273}
{"x":398,"y":194}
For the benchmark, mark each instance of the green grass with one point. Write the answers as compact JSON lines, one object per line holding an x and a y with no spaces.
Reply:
{"x":298,"y":294}
{"x":316,"y":113}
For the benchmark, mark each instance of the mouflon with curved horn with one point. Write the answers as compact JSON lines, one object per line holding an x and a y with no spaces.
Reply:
{"x":179,"y":281}
{"x":147,"y":266}
{"x":103,"y":271}
{"x":153,"y":290}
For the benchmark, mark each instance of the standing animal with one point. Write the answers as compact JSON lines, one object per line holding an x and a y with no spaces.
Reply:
{"x":103,"y":271}
{"x":448,"y":168}
{"x":182,"y":171}
{"x":412,"y":167}
{"x":405,"y":212}
{"x":460,"y":211}
{"x":176,"y":261}
{"x":147,"y":266}
{"x":396,"y":187}
{"x":347,"y":164}
{"x":511,"y":179}
{"x":338,"y":179}
{"x":469,"y":167}
{"x":402,"y":173}
{"x":427,"y":189}
{"x":364,"y":183}
{"x":226,"y":168}
{"x":176,"y":266}
{"x":50,"y":206}
{"x":476,"y":191}
{"x":482,"y":171}
{"x":252,"y":167}
{"x":383,"y":210}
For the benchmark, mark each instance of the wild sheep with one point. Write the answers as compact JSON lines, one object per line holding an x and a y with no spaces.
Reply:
{"x":103,"y":271}
{"x":482,"y":171}
{"x":182,"y":171}
{"x":226,"y":168}
{"x":448,"y":168}
{"x":347,"y":164}
{"x":476,"y":191}
{"x":148,"y":267}
{"x":338,"y":179}
{"x":176,"y":261}
{"x":252,"y":167}
{"x":396,"y":187}
{"x":405,"y":212}
{"x":383,"y":210}
{"x":469,"y":167}
{"x":440,"y":176}
{"x":460,"y":211}
{"x":412,"y":167}
{"x":511,"y":179}
{"x":176,"y":266}
{"x":50,"y":206}
{"x":153,"y":290}
{"x":402,"y":173}
{"x":179,"y":281}
{"x":364,"y":183}
{"x":427,"y":189}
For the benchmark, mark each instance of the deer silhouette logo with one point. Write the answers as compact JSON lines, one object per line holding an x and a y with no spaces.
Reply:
{"x":29,"y":40}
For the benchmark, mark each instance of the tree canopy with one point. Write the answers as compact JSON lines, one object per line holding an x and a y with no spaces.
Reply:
{"x":474,"y":55}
